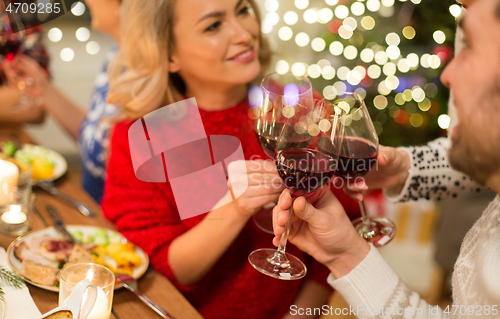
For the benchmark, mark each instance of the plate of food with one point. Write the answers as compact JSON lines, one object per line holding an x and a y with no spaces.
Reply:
{"x":47,"y":165}
{"x":40,"y":255}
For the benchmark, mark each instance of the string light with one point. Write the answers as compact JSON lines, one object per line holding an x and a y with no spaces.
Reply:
{"x":318,"y":44}
{"x":374,"y":71}
{"x":353,"y":77}
{"x":331,"y":2}
{"x":444,"y":121}
{"x":361,"y":70}
{"x":285,"y":33}
{"x":439,"y":37}
{"x":290,"y":18}
{"x":380,"y":102}
{"x":336,"y":48}
{"x":392,"y":39}
{"x":298,"y":69}
{"x":403,"y":66}
{"x":302,"y":39}
{"x":310,"y":16}
{"x":341,"y":12}
{"x":93,"y":48}
{"x":340,"y":87}
{"x":412,"y":59}
{"x":314,"y":71}
{"x":416,"y":120}
{"x":392,"y":82}
{"x":282,"y":67}
{"x":357,"y":8}
{"x":368,"y":23}
{"x":409,"y":32}
{"x":328,"y":72}
{"x":350,"y":52}
{"x":393,"y":52}
{"x":389,"y":69}
{"x":367,"y":55}
{"x":342,"y":73}
{"x":301,"y":4}
{"x":381,"y":57}
{"x":350,"y":24}
{"x":78,"y":9}
{"x":329,"y":92}
{"x":67,"y":54}
{"x":424,"y":60}
{"x":82,"y":34}
{"x":344,"y":33}
{"x":388,"y":3}
{"x":425,"y":105}
{"x":271,"y":5}
{"x":323,"y":63}
{"x":373,"y":5}
{"x":361,"y":92}
{"x":418,"y":94}
{"x":55,"y":34}
{"x":455,"y":10}
{"x":325,"y":15}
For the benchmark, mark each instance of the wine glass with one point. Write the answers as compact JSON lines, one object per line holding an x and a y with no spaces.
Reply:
{"x":304,"y":168}
{"x":12,"y":38}
{"x":269,"y":123}
{"x":357,"y":157}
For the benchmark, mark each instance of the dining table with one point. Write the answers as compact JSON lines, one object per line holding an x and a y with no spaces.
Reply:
{"x":125,"y":304}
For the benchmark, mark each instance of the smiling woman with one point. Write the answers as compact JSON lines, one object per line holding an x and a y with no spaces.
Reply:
{"x":211,"y":50}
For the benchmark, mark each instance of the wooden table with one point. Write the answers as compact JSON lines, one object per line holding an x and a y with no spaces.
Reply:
{"x":125,"y":304}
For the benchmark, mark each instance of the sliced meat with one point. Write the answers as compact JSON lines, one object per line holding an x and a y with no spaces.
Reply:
{"x":40,"y":274}
{"x":23,"y":252}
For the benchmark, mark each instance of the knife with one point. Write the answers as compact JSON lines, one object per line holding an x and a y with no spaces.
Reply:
{"x":59,"y":225}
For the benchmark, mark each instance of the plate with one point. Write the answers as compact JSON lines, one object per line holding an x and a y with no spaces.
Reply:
{"x":15,"y":263}
{"x":60,"y":168}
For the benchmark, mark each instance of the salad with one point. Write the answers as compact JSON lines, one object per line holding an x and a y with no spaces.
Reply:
{"x":38,"y":157}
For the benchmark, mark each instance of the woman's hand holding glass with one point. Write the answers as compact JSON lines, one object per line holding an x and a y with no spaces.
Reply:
{"x":27,"y":70}
{"x":262,"y":181}
{"x":322,"y":229}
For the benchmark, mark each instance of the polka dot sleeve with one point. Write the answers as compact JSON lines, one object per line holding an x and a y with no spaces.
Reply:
{"x":431,"y":176}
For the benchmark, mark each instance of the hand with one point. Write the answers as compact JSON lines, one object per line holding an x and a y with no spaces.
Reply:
{"x":28,"y":73}
{"x":261,"y":180}
{"x":391,"y":171}
{"x":323,"y":231}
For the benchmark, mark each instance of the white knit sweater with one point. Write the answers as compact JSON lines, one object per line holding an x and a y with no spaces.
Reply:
{"x":373,"y":285}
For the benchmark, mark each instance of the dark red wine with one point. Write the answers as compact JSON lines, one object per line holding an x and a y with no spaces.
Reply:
{"x":268,"y":137}
{"x":357,"y":156}
{"x":303,"y":170}
{"x":10,"y":48}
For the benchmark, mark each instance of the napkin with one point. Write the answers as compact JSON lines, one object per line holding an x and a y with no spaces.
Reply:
{"x":19,"y":302}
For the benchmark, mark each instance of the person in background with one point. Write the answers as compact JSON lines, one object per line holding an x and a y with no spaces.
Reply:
{"x":11,"y":94}
{"x":89,"y":127}
{"x":170,"y":52}
{"x":358,"y":271}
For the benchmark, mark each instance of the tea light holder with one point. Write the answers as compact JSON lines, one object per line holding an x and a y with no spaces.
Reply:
{"x":14,"y":221}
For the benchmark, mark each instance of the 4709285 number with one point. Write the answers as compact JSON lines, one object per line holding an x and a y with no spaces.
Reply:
{"x":476,"y":310}
{"x":23,"y":7}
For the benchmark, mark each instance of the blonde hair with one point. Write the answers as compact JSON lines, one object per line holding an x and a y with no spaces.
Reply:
{"x":138,"y":76}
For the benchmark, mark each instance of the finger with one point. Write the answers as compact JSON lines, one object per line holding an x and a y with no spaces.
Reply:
{"x":285,"y":200}
{"x":355,"y":194}
{"x":386,"y":155}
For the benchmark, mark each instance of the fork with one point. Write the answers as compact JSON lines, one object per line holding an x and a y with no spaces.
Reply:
{"x":130,"y":283}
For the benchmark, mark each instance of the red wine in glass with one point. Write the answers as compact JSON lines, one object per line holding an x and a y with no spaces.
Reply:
{"x":304,"y":170}
{"x":268,"y":137}
{"x":358,"y":156}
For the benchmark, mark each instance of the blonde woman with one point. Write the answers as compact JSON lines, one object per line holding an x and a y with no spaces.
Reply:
{"x":211,"y":50}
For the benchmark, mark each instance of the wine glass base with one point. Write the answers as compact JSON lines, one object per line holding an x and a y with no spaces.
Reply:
{"x":289,"y":268}
{"x":263,"y":219}
{"x":379,"y":230}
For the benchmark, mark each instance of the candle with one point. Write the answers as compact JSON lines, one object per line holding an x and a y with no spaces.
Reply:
{"x":102,"y":307}
{"x":9,"y":174}
{"x":14,"y":216}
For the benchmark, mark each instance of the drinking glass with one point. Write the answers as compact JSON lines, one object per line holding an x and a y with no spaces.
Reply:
{"x":12,"y":37}
{"x":357,"y":157}
{"x":308,"y":126}
{"x":269,"y":124}
{"x":101,"y":276}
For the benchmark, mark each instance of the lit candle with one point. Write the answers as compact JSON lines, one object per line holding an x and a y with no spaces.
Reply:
{"x":14,"y":216}
{"x":102,"y":307}
{"x":9,"y":174}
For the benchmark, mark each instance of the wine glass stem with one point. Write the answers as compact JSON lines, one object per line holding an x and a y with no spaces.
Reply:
{"x":362,"y":208}
{"x":284,"y":237}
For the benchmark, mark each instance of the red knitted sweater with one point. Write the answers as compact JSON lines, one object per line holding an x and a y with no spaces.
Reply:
{"x":145,"y":213}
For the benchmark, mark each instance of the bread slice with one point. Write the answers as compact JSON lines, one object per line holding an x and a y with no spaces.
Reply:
{"x":38,"y":273}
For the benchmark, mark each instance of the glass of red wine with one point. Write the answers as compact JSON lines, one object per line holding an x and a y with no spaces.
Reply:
{"x":12,"y":37}
{"x":358,"y":155}
{"x":270,"y":122}
{"x":303,"y":166}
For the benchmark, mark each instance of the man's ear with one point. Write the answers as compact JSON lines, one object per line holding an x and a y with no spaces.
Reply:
{"x":173,"y":64}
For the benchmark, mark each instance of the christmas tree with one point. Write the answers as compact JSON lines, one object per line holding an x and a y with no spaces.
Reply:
{"x":391,"y":52}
